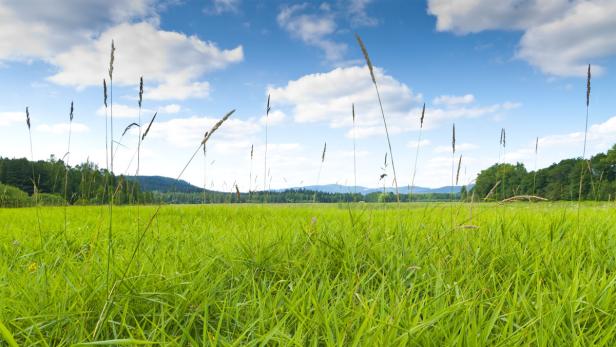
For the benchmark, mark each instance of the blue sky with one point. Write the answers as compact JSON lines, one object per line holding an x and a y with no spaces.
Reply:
{"x":518,"y":65}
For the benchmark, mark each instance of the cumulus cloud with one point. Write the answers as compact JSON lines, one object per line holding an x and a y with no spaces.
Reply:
{"x":414,"y":144}
{"x":559,"y":36}
{"x":358,"y":15}
{"x":327,"y":98}
{"x":462,"y":147}
{"x":275,"y":117}
{"x":78,"y":46}
{"x":10,"y":118}
{"x":451,"y":100}
{"x":63,"y":128}
{"x":40,"y":29}
{"x":312,"y":28}
{"x":123,"y":111}
{"x":171,"y":59}
{"x":223,"y":6}
{"x":188,"y":132}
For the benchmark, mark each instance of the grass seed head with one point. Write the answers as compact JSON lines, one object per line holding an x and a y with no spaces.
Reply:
{"x":105,"y":92}
{"x":71,"y":114}
{"x":588,"y":76}
{"x":147,"y":130}
{"x":453,"y":138}
{"x":140,"y":90}
{"x":423,"y":113}
{"x":215,"y":127}
{"x":366,"y":56}
{"x":28,"y":117}
{"x":111,"y":59}
{"x":324,"y":151}
{"x":129,"y":127}
{"x":458,"y":173}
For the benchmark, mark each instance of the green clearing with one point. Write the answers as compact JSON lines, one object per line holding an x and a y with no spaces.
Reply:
{"x":363,"y":274}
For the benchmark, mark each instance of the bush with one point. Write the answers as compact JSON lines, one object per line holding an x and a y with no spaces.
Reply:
{"x":13,"y":197}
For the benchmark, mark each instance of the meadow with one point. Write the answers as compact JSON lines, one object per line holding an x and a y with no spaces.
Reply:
{"x":422,"y":274}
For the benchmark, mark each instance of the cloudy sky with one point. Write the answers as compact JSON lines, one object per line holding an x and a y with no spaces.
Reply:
{"x":481,"y":64}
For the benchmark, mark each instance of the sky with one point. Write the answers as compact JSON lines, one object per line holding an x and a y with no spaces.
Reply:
{"x":482,"y":65}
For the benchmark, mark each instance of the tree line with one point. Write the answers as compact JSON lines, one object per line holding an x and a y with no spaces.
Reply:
{"x":569,"y":179}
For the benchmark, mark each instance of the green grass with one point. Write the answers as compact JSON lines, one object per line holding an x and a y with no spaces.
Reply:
{"x":313,"y":275}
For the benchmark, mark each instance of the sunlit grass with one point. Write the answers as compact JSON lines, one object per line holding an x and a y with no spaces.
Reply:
{"x":314,"y":275}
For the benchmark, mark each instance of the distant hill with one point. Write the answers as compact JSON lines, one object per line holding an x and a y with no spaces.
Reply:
{"x":338,"y":188}
{"x":168,"y":185}
{"x":164,"y":184}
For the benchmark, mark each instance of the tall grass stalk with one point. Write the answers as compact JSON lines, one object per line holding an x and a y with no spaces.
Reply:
{"x":34,"y":185}
{"x":314,"y":196}
{"x":535,"y":175}
{"x":588,"y":79}
{"x":252,"y":152}
{"x":453,"y":159}
{"x":354,"y":151}
{"x":376,"y":87}
{"x":421,"y":122}
{"x":67,"y":155}
{"x":110,"y":195}
{"x":267,"y":111}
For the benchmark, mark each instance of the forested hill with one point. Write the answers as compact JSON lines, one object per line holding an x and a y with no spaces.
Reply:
{"x":83,"y":184}
{"x":559,"y":181}
{"x":164,"y":184}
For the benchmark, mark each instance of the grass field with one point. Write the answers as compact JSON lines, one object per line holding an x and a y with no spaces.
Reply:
{"x":530,"y":274}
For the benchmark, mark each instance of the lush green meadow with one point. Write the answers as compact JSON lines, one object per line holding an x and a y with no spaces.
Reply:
{"x":363,"y":274}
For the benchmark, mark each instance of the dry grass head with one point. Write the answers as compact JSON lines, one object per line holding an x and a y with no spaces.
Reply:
{"x":140,"y":90}
{"x":588,"y":76}
{"x":147,"y":130}
{"x":324,"y":151}
{"x":105,"y":92}
{"x":71,"y":114}
{"x":268,"y":108}
{"x":537,"y":145}
{"x":215,"y":127}
{"x":366,"y":56}
{"x":353,"y":112}
{"x":459,"y":166}
{"x":453,"y":138}
{"x":252,"y":151}
{"x":423,"y":113}
{"x":131,"y":125}
{"x":111,"y":59}
{"x":28,"y":117}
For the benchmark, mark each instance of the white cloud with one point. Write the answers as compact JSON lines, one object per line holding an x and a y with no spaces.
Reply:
{"x":40,"y":29}
{"x":422,"y":144}
{"x":188,"y":132}
{"x":63,"y":128}
{"x":9,"y":118}
{"x":171,"y":109}
{"x":78,"y":46}
{"x":313,"y":29}
{"x":275,"y":117}
{"x":358,"y":15}
{"x":452,"y":100}
{"x":436,"y":116}
{"x":462,"y":147}
{"x":327,"y":97}
{"x":560,"y":36}
{"x":223,"y":6}
{"x":124,"y":111}
{"x":171,"y":59}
